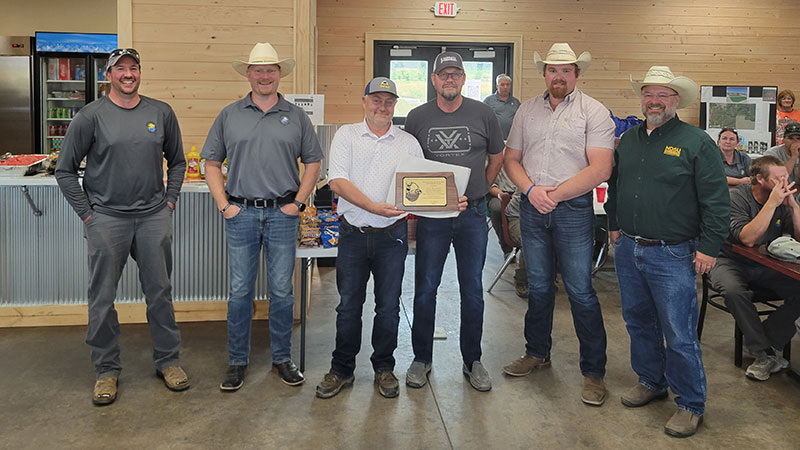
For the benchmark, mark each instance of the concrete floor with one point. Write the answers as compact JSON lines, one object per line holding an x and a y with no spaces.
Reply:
{"x":46,"y":381}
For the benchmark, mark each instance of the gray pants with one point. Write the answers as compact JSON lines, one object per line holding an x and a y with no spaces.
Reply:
{"x":735,"y":282}
{"x":149,"y":241}
{"x":494,"y":206}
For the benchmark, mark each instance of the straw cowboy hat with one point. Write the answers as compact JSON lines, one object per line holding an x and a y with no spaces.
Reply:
{"x":263,"y":53}
{"x":662,"y":76}
{"x":561,"y":53}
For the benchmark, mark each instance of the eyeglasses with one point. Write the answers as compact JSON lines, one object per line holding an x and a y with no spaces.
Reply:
{"x":453,"y":75}
{"x":660,"y":96}
{"x":124,"y":51}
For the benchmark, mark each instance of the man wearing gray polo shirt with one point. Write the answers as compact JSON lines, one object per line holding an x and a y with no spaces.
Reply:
{"x":503,"y":103}
{"x":372,"y":237}
{"x":261,"y":135}
{"x":560,"y":148}
{"x":126,"y":211}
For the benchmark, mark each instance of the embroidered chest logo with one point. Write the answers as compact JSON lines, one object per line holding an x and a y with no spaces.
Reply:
{"x":447,"y":141}
{"x":672,"y":151}
{"x":151,"y":127}
{"x":284,"y":120}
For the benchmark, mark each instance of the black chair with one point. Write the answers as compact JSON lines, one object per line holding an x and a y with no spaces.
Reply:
{"x":763,"y":297}
{"x":505,"y":199}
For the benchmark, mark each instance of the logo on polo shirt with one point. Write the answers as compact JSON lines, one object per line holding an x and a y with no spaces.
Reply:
{"x":672,"y":151}
{"x":151,"y":127}
{"x":449,"y":141}
{"x":284,"y":120}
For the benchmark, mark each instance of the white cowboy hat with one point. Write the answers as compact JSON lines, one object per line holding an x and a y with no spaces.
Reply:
{"x":263,"y":53}
{"x":561,"y":53}
{"x":662,"y":76}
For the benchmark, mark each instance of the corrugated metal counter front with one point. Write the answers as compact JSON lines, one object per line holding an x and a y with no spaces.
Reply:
{"x":43,"y":259}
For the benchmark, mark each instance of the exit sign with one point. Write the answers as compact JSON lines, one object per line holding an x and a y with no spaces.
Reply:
{"x":445,"y":9}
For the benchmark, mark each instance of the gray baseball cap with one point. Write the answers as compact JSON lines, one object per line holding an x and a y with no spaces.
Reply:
{"x":381,"y":84}
{"x":785,"y":248}
{"x":447,"y":59}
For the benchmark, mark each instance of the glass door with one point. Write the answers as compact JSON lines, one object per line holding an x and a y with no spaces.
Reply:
{"x":63,"y":95}
{"x":102,"y":85}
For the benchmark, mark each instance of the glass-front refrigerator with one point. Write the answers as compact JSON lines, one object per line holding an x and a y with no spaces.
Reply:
{"x":70,"y":72}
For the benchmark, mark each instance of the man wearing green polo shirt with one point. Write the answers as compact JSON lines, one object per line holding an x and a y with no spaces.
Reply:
{"x":668,"y":212}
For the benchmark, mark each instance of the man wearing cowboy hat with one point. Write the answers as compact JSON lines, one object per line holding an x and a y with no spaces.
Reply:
{"x":126,"y":210}
{"x":558,"y":151}
{"x":373,"y":237}
{"x":261,"y":135}
{"x":458,"y":130}
{"x":668,"y":210}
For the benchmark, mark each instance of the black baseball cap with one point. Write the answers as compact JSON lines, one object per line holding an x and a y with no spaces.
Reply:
{"x":792,"y":128}
{"x":117,"y":54}
{"x":447,"y":59}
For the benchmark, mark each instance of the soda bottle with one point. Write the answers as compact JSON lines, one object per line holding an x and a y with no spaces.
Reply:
{"x":51,"y":131}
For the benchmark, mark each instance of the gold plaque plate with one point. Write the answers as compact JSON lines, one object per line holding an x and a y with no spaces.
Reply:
{"x":426,"y":191}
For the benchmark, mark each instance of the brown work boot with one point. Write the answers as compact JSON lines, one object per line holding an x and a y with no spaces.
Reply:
{"x":174,"y":378}
{"x":640,"y":395}
{"x":683,"y":424}
{"x":105,"y":391}
{"x":525,"y":365}
{"x":594,"y":391}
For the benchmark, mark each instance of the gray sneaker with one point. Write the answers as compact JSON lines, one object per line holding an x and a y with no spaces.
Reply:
{"x":762,"y":367}
{"x":417,"y":374}
{"x":780,"y":363}
{"x":478,"y":377}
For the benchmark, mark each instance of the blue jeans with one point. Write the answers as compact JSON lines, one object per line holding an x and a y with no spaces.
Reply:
{"x":659,"y":303}
{"x":247,"y":233}
{"x":382,"y":253}
{"x":565,"y":237}
{"x":468,"y":233}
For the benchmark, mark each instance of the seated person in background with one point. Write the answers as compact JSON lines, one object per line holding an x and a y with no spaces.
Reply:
{"x":512,"y":215}
{"x":501,"y":184}
{"x":785,"y":114}
{"x":737,"y":164}
{"x":787,"y":152}
{"x":760,"y":212}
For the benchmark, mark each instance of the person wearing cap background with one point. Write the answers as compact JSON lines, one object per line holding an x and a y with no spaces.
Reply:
{"x":668,"y":213}
{"x":456,"y":130}
{"x":126,"y":210}
{"x":559,"y":150}
{"x":761,"y":211}
{"x":373,"y":237}
{"x":262,"y":136}
{"x":789,"y":151}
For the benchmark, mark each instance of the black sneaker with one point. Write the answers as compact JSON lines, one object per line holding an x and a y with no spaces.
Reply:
{"x":331,"y":385}
{"x":234,"y":378}
{"x":289,"y":373}
{"x":387,"y":384}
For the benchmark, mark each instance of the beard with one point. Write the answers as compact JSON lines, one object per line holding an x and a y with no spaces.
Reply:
{"x":449,"y":95}
{"x":657,"y":119}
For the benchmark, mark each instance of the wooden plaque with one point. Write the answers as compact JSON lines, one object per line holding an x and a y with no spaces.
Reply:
{"x":426,"y":191}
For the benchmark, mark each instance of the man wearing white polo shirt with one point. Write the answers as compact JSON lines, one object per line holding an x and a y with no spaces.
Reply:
{"x":372,"y":237}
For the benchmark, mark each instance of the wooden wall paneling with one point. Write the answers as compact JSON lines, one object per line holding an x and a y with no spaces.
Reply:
{"x":724,"y":42}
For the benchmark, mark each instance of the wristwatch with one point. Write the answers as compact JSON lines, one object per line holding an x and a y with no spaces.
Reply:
{"x":300,"y":206}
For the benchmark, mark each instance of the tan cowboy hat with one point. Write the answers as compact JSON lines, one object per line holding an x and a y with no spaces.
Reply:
{"x":561,"y":53}
{"x":263,"y":53}
{"x":662,"y":76}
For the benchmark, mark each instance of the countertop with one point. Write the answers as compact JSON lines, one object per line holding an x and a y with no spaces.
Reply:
{"x":49,"y":180}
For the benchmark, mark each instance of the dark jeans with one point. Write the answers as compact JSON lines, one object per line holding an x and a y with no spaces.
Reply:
{"x":468,"y":234}
{"x":736,"y":282}
{"x":565,"y":237}
{"x":383,"y":254}
{"x":148,"y":240}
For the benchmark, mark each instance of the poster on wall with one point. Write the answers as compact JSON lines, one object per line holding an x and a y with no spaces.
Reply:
{"x":750,"y":110}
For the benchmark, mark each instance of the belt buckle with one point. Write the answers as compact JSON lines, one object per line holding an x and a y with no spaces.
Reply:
{"x":260,"y":203}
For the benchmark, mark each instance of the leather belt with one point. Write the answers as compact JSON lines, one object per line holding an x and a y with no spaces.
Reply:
{"x":264,"y":202}
{"x":644,"y":242}
{"x":375,"y":229}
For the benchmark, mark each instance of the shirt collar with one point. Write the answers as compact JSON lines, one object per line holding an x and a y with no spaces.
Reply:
{"x":282,"y":105}
{"x":365,"y":131}
{"x":663,"y":129}
{"x":568,"y":99}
